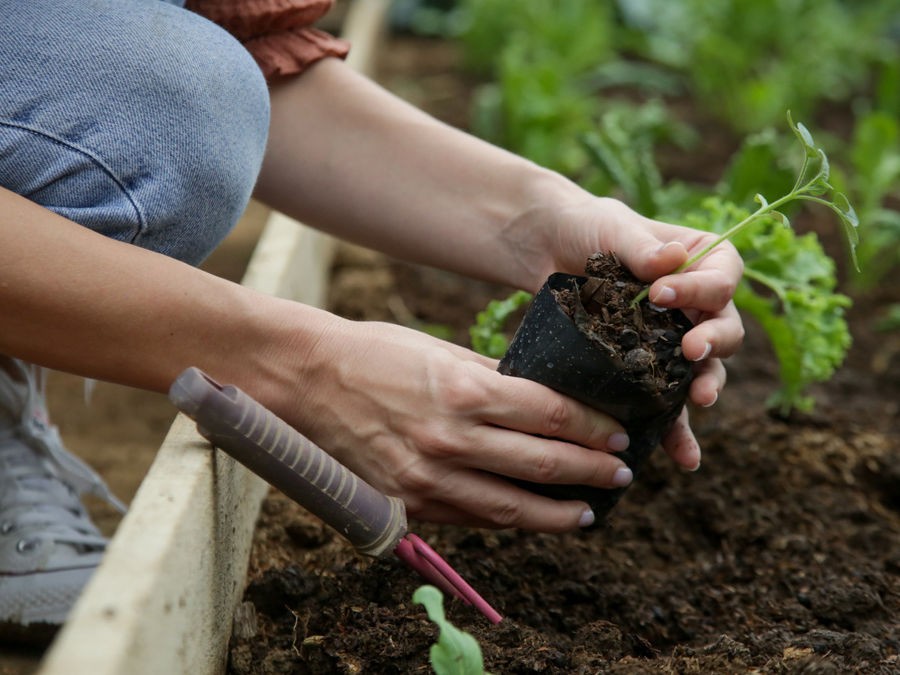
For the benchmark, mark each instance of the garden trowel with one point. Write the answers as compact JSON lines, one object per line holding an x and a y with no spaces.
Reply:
{"x":268,"y":446}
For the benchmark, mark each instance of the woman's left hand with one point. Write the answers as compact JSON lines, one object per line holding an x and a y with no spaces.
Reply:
{"x":652,"y":250}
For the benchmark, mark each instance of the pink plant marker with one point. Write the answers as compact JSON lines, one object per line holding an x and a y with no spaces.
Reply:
{"x":433,"y":568}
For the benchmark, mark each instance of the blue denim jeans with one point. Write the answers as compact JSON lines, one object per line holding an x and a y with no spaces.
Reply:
{"x":135,"y":118}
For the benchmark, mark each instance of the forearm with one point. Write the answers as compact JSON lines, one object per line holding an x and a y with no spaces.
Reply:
{"x":413,"y":415}
{"x":348,"y":157}
{"x":73,"y":300}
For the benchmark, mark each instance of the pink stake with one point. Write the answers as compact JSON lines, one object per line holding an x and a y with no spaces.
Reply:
{"x":433,"y":568}
{"x":405,"y":550}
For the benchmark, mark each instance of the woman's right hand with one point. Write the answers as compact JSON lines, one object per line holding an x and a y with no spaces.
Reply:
{"x":438,"y":426}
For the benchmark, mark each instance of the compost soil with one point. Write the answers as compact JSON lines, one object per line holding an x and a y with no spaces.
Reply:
{"x":781,"y":554}
{"x":644,"y":338}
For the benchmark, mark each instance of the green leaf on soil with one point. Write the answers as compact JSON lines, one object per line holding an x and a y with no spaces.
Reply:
{"x":456,"y":652}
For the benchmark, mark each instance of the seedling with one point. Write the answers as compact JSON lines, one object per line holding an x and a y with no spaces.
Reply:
{"x":811,"y":185}
{"x":456,"y":652}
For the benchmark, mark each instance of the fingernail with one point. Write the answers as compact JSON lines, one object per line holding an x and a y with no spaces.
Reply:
{"x":696,"y":468}
{"x":665,"y":295}
{"x":666,"y":245}
{"x":622,"y":477}
{"x":586,"y":519}
{"x":705,"y":352}
{"x":617,"y":441}
{"x":713,"y":402}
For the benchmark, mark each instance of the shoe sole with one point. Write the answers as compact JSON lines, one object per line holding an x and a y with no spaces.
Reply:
{"x":41,"y":598}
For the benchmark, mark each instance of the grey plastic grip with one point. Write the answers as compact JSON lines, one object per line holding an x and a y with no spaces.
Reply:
{"x":234,"y":422}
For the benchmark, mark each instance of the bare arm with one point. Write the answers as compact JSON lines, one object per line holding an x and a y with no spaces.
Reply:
{"x":418,"y":418}
{"x":77,"y":301}
{"x":346,"y":156}
{"x":349,"y":157}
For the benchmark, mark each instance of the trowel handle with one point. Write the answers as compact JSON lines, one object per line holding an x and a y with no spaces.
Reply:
{"x":234,"y":422}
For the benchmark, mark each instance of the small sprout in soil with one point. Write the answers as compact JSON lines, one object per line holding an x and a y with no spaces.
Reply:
{"x":456,"y":652}
{"x":812,"y":185}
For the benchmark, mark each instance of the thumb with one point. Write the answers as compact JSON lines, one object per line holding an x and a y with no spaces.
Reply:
{"x":641,"y":243}
{"x":648,"y":260}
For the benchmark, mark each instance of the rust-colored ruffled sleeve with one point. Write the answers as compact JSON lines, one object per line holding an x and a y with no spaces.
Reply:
{"x":278,"y":33}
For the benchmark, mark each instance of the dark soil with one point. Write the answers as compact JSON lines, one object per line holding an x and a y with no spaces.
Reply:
{"x":780,"y":555}
{"x":645,"y":338}
{"x":582,"y":337}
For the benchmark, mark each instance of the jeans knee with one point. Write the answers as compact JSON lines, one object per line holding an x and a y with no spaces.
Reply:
{"x":210,"y":135}
{"x":215,"y":118}
{"x":150,"y":128}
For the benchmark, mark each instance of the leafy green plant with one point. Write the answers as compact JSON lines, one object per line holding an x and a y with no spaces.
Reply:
{"x":547,"y":61}
{"x":578,"y":32}
{"x":487,"y":334}
{"x":788,"y":288}
{"x":621,"y":150}
{"x":456,"y":652}
{"x":812,"y":185}
{"x":799,"y":311}
{"x":623,"y":147}
{"x":748,"y":61}
{"x":535,"y":108}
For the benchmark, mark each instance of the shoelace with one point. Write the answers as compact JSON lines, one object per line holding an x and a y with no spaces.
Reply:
{"x":44,"y":482}
{"x":37,"y":504}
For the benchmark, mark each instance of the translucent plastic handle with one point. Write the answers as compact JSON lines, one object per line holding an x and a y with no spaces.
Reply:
{"x":234,"y":422}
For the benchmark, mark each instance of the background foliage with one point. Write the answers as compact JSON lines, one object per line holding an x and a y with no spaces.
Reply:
{"x":605,"y":91}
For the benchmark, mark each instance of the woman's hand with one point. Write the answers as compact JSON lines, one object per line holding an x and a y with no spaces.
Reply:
{"x":485,"y":213}
{"x":652,"y":250}
{"x":436,"y":425}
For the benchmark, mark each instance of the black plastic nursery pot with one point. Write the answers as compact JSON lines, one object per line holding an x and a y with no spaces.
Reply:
{"x":549,"y":348}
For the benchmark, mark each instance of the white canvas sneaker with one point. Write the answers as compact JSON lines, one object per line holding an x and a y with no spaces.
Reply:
{"x":49,"y":547}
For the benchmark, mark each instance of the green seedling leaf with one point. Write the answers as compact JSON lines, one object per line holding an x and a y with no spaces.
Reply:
{"x":845,"y":209}
{"x":806,"y":139}
{"x":456,"y":652}
{"x":778,"y":215}
{"x":850,"y":221}
{"x":819,"y":184}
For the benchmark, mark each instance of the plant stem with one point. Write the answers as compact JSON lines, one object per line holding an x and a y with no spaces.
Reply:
{"x":807,"y":191}
{"x":733,"y":230}
{"x":703,"y":252}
